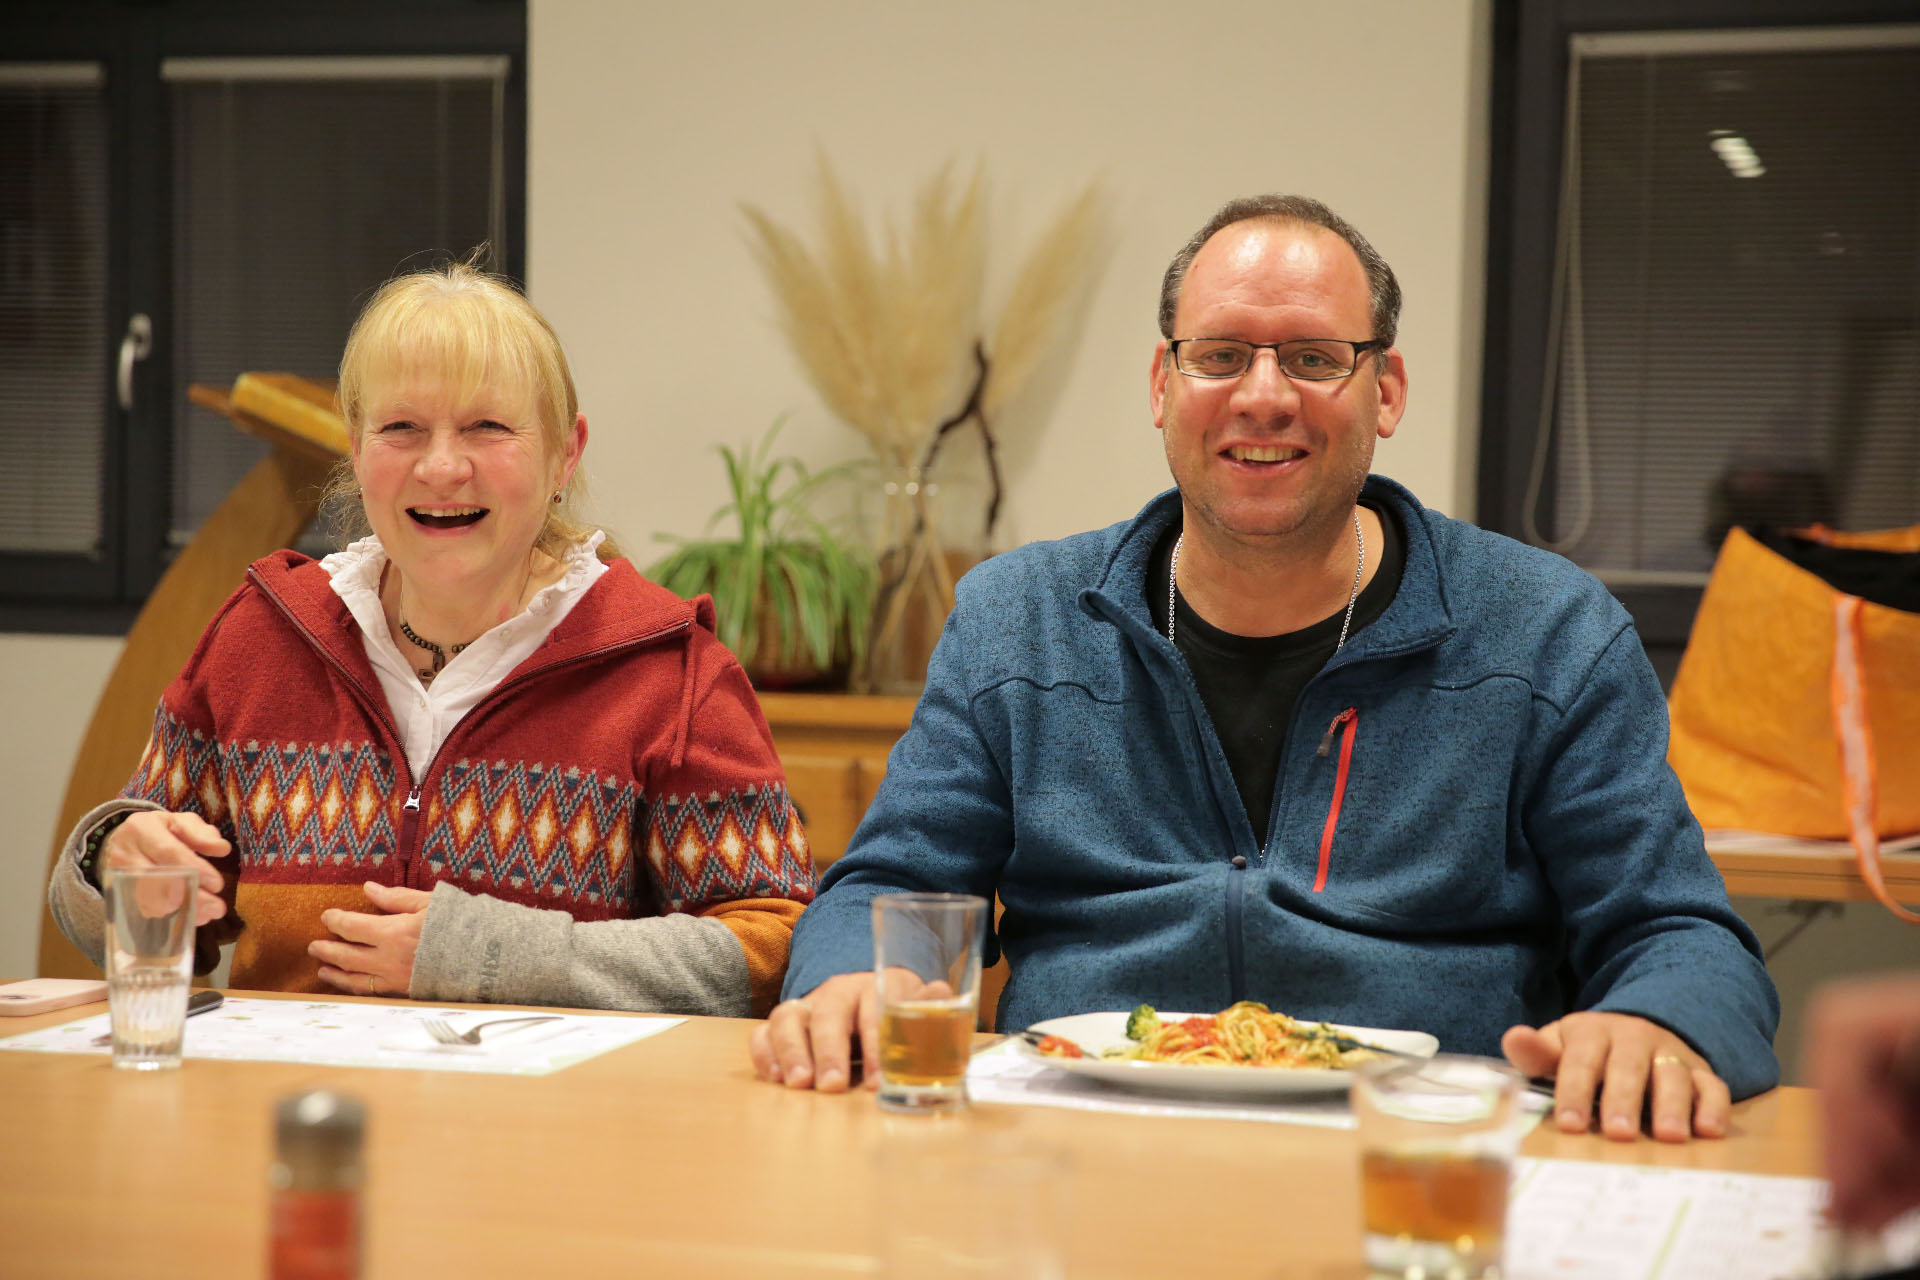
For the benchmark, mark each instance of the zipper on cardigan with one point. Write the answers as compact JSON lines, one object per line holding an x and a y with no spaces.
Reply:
{"x":409,"y":834}
{"x":409,"y":826}
{"x":410,"y":821}
{"x":1351,"y":719}
{"x":1236,"y":944}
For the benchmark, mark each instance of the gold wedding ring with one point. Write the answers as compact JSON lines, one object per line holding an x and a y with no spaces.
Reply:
{"x":1659,"y":1058}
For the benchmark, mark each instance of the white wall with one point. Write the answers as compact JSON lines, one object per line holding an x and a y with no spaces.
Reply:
{"x":48,"y":685}
{"x":650,"y":124}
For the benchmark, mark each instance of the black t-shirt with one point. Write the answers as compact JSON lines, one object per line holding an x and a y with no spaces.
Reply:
{"x":1249,"y":684}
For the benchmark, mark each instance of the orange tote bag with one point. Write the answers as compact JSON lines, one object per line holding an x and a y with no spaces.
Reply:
{"x":1796,"y":709}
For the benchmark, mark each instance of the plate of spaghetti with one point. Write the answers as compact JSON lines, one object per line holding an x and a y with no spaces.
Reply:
{"x":1244,"y":1049}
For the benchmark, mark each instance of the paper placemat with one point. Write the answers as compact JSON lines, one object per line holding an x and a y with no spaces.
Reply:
{"x":337,"y":1034}
{"x":1576,"y":1220}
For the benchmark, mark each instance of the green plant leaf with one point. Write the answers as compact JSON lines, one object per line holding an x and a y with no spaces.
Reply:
{"x":784,"y":560}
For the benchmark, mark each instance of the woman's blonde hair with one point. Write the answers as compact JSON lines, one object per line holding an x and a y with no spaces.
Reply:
{"x":471,"y":330}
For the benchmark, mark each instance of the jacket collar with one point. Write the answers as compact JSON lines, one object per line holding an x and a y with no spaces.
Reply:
{"x":1419,"y":617}
{"x":621,"y":608}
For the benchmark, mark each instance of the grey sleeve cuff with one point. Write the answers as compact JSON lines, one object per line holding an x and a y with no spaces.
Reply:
{"x":77,"y":906}
{"x":479,"y":948}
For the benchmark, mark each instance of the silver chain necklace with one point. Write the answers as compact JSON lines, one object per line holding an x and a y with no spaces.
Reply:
{"x":1353,"y":596}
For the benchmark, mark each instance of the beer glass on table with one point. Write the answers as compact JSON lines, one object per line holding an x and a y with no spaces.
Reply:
{"x":926,"y":961}
{"x":1437,"y":1142}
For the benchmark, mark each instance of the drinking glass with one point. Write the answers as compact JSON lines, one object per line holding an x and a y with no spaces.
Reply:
{"x":149,"y":962}
{"x":1437,"y":1141}
{"x":926,"y":962}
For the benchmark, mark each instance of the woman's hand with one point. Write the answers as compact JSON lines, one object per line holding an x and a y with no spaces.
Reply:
{"x":374,"y":954}
{"x":156,"y":838}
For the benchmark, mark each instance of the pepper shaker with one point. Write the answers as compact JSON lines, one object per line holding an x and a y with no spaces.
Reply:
{"x":317,"y":1175}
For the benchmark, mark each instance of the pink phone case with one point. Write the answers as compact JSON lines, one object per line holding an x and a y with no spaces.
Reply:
{"x":43,"y":995}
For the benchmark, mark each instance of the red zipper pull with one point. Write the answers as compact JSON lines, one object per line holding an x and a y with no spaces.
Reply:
{"x":1351,"y":718}
{"x":1326,"y":743}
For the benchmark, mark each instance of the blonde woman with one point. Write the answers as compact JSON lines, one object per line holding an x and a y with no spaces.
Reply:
{"x":473,"y":755}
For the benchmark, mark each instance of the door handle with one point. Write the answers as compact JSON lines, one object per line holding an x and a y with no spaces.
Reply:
{"x":134,"y":348}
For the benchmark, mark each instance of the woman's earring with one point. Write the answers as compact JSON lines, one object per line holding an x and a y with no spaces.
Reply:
{"x":556,"y":497}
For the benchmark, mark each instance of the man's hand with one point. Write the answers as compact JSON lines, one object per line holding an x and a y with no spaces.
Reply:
{"x":1620,"y":1055}
{"x":808,"y":1043}
{"x":374,"y":956}
{"x":155,"y":838}
{"x":1862,"y":1052}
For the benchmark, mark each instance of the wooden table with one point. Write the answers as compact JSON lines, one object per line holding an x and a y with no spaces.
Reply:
{"x":1790,"y":870}
{"x":666,"y":1158}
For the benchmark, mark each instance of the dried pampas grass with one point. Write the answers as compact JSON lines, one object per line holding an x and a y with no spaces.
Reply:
{"x":1061,"y":264}
{"x":889,"y":333}
{"x":883,"y":331}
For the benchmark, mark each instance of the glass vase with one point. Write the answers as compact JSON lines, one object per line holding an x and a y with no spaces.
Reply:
{"x":921,"y":555}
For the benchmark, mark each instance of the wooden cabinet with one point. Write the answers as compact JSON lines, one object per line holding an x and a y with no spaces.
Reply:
{"x":834,"y":748}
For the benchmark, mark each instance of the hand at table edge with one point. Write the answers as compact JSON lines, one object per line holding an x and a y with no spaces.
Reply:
{"x":807,"y":1042}
{"x":1609,"y":1059}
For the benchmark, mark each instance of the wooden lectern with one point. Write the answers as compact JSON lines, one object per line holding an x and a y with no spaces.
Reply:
{"x":270,"y":508}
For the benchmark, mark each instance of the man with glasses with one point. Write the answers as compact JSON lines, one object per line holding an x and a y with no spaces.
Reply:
{"x":1289,"y":736}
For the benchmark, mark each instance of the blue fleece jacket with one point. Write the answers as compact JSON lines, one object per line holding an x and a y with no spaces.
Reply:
{"x":1474,"y":823}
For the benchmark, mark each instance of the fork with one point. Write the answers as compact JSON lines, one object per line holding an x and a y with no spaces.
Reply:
{"x":1347,"y":1044}
{"x":443,"y":1032}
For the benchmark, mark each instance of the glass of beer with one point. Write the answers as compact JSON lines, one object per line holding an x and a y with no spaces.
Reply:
{"x":926,"y":962}
{"x":1437,"y":1141}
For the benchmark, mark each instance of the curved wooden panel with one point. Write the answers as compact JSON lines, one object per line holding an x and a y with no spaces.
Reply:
{"x":270,"y":508}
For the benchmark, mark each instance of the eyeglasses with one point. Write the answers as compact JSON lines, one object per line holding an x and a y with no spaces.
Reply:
{"x":1303,"y":359}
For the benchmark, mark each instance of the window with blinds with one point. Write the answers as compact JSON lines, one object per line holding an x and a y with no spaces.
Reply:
{"x":53,"y":266}
{"x":299,"y":185}
{"x":1736,"y":298}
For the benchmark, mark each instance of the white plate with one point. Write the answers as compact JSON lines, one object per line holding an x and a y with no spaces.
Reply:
{"x":1096,"y":1031}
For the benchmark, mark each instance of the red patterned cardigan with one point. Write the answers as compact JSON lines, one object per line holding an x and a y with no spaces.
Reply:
{"x":622,"y":771}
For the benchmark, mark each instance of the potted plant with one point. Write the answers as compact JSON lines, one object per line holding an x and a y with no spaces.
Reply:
{"x":791,"y":599}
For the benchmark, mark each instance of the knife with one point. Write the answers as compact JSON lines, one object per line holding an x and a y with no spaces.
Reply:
{"x":198,"y":1002}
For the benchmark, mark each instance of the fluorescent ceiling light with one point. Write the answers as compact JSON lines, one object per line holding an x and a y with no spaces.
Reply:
{"x":1736,"y":153}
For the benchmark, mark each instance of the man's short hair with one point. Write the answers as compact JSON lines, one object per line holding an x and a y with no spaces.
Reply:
{"x":1382,"y":288}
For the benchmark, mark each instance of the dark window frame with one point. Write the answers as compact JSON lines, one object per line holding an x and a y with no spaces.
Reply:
{"x":1527,"y":120}
{"x":101,"y":595}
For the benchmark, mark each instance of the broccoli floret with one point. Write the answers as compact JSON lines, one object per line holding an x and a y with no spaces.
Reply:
{"x":1141,"y":1021}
